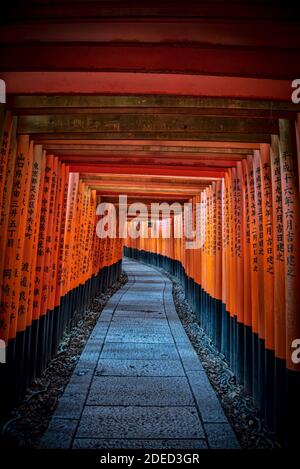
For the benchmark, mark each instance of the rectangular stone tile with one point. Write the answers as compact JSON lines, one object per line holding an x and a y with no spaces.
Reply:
{"x":73,"y":389}
{"x":90,"y":354}
{"x":141,"y":337}
{"x":170,"y":309}
{"x":106,"y":316}
{"x":140,"y":308}
{"x":99,"y":333}
{"x":145,"y":282}
{"x":179,"y":333}
{"x":140,"y":422}
{"x":93,"y":443}
{"x":139,"y":314}
{"x":70,"y":407}
{"x":189,"y":357}
{"x":139,"y":322}
{"x":140,"y":293}
{"x":206,"y":398}
{"x":92,"y":346}
{"x":168,"y":296}
{"x":131,"y":328}
{"x":114,"y":367}
{"x":144,"y":391}
{"x":125,"y":308}
{"x":221,"y":436}
{"x":59,"y":434}
{"x":88,"y":360}
{"x":81,"y":377}
{"x":125,"y":351}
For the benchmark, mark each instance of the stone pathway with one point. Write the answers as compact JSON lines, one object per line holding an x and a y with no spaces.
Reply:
{"x":139,"y":383}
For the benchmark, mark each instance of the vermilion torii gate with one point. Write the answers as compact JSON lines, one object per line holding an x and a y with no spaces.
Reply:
{"x":164,"y":102}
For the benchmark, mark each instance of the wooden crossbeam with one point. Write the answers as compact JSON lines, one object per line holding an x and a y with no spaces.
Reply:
{"x":199,"y":30}
{"x":157,"y":58}
{"x":161,"y":170}
{"x":153,"y":161}
{"x":150,"y":124}
{"x":158,"y":137}
{"x":85,"y":103}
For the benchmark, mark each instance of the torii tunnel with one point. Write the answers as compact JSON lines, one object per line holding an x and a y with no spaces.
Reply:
{"x":193,"y":104}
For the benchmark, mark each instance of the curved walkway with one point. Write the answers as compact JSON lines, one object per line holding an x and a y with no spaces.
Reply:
{"x":139,"y":383}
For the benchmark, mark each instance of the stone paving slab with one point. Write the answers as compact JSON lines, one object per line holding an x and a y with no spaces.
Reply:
{"x":144,"y":322}
{"x":59,"y":434}
{"x":130,"y":390}
{"x":221,"y":435}
{"x":94,"y":443}
{"x":114,"y":367}
{"x":138,"y":314}
{"x":139,"y":351}
{"x":143,"y":337}
{"x":140,"y":422}
{"x":139,"y":382}
{"x":207,"y":401}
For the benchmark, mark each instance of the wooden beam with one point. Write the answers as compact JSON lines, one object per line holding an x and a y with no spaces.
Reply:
{"x":179,"y":162}
{"x":128,"y":190}
{"x":161,"y":170}
{"x":153,"y":145}
{"x":194,"y":137}
{"x":130,"y":184}
{"x":157,"y":58}
{"x":145,"y":178}
{"x":142,"y":83}
{"x":181,"y":157}
{"x":197,"y":31}
{"x":99,"y":11}
{"x":146,"y":150}
{"x":145,"y":199}
{"x":158,"y":102}
{"x":150,"y":124}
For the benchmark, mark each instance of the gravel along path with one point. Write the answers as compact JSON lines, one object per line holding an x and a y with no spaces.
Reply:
{"x":237,"y":404}
{"x":30,"y":419}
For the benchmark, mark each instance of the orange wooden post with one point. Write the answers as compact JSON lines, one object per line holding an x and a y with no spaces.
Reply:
{"x":71,"y":201}
{"x":239,"y":222}
{"x":278,"y":242}
{"x":43,"y":226}
{"x":257,"y":169}
{"x":48,"y":250}
{"x":5,"y":208}
{"x":58,"y":234}
{"x":40,"y":167}
{"x":29,"y":248}
{"x":225,"y":245}
{"x":279,"y":289}
{"x":291,"y":230}
{"x":5,"y":140}
{"x":254,"y":237}
{"x":61,"y":280}
{"x":15,"y":239}
{"x":247,"y":279}
{"x":25,"y":371}
{"x":204,"y":257}
{"x":268,"y":275}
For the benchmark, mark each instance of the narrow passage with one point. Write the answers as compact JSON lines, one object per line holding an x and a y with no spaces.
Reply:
{"x":139,"y":383}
